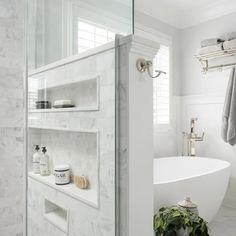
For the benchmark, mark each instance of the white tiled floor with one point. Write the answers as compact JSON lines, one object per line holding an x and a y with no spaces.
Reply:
{"x":224,"y":223}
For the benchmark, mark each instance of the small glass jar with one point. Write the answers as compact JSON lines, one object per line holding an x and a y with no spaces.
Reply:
{"x":62,"y":174}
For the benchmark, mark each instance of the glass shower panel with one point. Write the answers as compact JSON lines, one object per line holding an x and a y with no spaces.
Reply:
{"x":61,"y":28}
{"x":71,"y":159}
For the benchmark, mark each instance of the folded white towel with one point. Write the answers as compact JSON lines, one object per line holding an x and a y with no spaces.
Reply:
{"x":230,"y":45}
{"x":230,"y":36}
{"x":228,"y":131}
{"x":210,"y":49}
{"x":211,"y":42}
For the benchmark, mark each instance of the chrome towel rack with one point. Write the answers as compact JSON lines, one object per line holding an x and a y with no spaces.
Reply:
{"x":205,"y":58}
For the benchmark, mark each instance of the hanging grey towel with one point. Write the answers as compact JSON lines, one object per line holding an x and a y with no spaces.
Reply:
{"x":229,"y":112}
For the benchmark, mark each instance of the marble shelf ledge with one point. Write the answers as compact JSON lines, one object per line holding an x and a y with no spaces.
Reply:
{"x":64,"y":129}
{"x":88,"y":196}
{"x":72,"y":109}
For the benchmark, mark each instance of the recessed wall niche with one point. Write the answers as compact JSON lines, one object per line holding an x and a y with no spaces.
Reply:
{"x":79,"y":150}
{"x":83,"y":93}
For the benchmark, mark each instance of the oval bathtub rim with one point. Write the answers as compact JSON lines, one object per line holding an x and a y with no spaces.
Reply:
{"x":227,"y":165}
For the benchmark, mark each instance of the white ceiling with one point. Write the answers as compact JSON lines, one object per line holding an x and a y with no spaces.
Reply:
{"x":185,"y":13}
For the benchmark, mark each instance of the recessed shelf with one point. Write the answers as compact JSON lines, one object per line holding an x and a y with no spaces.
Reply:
{"x":88,"y":196}
{"x":84,"y":94}
{"x":72,"y":109}
{"x":56,"y":215}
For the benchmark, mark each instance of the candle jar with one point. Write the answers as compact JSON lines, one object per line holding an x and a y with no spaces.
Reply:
{"x":62,"y":174}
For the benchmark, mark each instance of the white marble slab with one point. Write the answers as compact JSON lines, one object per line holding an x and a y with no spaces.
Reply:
{"x":11,"y":117}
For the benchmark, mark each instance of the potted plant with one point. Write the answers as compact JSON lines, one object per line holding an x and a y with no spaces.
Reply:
{"x":174,"y":221}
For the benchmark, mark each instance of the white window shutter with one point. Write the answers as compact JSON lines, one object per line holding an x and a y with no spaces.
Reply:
{"x":161,"y":87}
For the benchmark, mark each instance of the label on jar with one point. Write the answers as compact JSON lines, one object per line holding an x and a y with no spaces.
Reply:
{"x":62,"y":177}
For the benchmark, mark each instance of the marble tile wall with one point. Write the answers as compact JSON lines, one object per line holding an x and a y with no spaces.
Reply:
{"x":84,"y":219}
{"x":11,"y":117}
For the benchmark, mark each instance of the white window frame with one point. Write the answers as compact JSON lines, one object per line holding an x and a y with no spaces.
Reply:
{"x":93,"y":24}
{"x":166,"y":40}
{"x":97,"y":15}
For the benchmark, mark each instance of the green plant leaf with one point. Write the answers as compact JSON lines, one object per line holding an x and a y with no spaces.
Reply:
{"x":169,"y":220}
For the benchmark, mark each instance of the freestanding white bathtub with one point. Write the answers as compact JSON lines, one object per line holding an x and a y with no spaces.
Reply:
{"x":204,"y":180}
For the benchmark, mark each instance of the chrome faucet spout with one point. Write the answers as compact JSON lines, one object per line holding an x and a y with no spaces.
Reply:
{"x":192,"y":137}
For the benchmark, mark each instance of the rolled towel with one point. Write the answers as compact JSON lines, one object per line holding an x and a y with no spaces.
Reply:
{"x":228,"y":131}
{"x":230,"y":36}
{"x":210,"y":49}
{"x":211,"y":42}
{"x":230,"y":45}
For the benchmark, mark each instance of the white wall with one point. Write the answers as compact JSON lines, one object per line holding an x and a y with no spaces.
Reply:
{"x":195,"y":94}
{"x":156,"y":30}
{"x":167,"y":31}
{"x":192,"y":80}
{"x":210,"y":90}
{"x":208,"y":109}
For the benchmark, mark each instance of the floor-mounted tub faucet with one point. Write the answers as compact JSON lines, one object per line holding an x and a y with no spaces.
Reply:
{"x":192,"y":137}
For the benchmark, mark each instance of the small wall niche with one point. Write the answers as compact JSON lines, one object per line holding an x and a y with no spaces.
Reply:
{"x":56,"y":215}
{"x":83,"y":93}
{"x":77,"y":148}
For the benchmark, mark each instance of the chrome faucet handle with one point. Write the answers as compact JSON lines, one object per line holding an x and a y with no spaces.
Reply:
{"x":194,"y":119}
{"x":192,"y":125}
{"x":201,"y":138}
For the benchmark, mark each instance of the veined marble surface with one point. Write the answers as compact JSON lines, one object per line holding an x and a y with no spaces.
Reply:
{"x":11,"y":117}
{"x":78,"y":149}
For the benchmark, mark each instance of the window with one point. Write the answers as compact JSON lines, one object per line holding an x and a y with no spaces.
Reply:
{"x":161,"y":87}
{"x":91,"y":36}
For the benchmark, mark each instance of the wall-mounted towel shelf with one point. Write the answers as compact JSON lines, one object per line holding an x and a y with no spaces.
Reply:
{"x":205,"y":58}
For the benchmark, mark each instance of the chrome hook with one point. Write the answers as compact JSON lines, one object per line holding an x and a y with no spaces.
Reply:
{"x":143,"y":65}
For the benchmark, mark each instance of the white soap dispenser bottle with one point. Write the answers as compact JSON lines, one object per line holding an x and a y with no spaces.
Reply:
{"x":36,"y":160}
{"x":44,"y":163}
